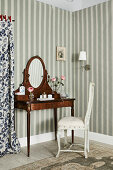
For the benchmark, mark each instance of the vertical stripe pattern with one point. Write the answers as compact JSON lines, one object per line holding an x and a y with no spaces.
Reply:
{"x":38,"y":29}
{"x":97,"y":28}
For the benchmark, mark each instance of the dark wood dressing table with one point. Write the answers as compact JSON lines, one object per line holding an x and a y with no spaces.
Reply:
{"x":23,"y":101}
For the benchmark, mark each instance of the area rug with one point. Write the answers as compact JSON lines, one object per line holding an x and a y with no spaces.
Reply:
{"x":100,"y":157}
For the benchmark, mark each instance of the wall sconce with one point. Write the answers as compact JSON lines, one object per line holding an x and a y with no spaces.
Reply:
{"x":82,"y":57}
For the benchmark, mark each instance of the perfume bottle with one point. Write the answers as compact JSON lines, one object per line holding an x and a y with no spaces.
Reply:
{"x":44,"y":95}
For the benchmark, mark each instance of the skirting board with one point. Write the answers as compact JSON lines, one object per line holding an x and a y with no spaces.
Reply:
{"x":51,"y":136}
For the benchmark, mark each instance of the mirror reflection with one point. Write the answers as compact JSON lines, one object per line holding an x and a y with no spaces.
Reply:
{"x":35,"y":73}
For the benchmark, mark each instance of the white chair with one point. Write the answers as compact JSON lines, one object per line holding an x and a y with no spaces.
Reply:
{"x":74,"y":123}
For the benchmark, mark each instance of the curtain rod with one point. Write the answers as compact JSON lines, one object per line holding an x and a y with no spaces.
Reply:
{"x":4,"y":17}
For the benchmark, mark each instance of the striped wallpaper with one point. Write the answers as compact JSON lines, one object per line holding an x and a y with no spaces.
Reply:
{"x":93,"y":32}
{"x":38,"y":29}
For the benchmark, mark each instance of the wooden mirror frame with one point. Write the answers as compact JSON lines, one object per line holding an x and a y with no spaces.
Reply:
{"x":26,"y":81}
{"x":43,"y":87}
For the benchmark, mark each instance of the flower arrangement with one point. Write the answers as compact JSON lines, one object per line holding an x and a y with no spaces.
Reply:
{"x":56,"y":82}
{"x":31,"y":89}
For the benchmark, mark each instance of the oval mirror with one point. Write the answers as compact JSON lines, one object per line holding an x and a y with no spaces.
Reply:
{"x":35,"y":73}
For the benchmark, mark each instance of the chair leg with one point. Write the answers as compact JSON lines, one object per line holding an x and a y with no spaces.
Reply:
{"x":65,"y":137}
{"x":58,"y":140}
{"x":85,"y":143}
{"x":88,"y":140}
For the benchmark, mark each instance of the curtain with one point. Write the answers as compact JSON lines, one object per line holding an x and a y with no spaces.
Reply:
{"x":8,"y":140}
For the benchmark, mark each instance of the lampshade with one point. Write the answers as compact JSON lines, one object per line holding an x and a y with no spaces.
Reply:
{"x":82,"y":55}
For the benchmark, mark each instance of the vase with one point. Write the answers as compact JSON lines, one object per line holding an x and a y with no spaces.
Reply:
{"x":31,"y":96}
{"x":62,"y":93}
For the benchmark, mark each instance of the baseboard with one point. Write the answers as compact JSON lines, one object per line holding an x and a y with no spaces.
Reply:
{"x":97,"y":137}
{"x":37,"y":139}
{"x":51,"y":136}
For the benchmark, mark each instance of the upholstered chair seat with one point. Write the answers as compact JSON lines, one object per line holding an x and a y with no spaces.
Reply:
{"x":71,"y":123}
{"x":74,"y":123}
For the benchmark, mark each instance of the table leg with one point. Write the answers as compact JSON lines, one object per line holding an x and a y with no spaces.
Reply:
{"x":72,"y":114}
{"x":28,"y":133}
{"x":55,"y":122}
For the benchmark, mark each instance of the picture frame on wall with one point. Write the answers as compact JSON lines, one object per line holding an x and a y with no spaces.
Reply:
{"x":61,"y":54}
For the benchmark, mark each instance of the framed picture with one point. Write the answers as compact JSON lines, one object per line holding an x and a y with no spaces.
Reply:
{"x":61,"y":53}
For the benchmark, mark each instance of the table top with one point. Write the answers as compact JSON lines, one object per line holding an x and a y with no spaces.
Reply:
{"x":47,"y":104}
{"x":44,"y":101}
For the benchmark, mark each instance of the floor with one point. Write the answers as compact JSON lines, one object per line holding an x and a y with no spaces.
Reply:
{"x":38,"y":152}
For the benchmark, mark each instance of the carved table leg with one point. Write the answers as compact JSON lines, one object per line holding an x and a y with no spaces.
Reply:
{"x":72,"y":114}
{"x":55,"y":121}
{"x":28,"y":133}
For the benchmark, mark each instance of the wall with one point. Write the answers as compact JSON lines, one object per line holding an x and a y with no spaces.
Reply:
{"x":89,"y":3}
{"x":93,"y":32}
{"x":38,"y":29}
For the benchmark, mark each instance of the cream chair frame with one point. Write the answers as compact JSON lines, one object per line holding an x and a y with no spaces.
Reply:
{"x":78,"y":123}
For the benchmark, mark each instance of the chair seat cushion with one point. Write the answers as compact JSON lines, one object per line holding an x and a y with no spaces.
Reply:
{"x":71,"y":123}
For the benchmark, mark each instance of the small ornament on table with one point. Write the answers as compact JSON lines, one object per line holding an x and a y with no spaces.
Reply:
{"x":31,"y":96}
{"x":44,"y":95}
{"x":22,"y":89}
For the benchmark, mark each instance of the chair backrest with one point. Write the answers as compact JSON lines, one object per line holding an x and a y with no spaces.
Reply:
{"x":90,"y":103}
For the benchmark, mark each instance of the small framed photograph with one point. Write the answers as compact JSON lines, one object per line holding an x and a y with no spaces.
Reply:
{"x":61,"y":53}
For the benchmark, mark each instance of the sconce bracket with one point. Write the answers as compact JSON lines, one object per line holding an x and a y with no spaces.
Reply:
{"x":87,"y":67}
